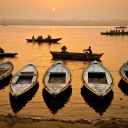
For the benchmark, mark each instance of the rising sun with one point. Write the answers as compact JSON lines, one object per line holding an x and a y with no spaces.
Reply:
{"x":53,"y":9}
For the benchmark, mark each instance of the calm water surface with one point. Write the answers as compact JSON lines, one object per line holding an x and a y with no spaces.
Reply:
{"x":77,"y":102}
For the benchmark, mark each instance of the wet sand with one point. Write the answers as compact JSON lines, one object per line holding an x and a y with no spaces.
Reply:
{"x":37,"y":122}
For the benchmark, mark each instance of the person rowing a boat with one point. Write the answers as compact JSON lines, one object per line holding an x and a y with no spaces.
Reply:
{"x":88,"y":50}
{"x":1,"y":50}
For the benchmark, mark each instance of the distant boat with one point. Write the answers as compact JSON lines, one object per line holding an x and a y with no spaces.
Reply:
{"x":115,"y":32}
{"x":75,"y":55}
{"x":97,"y":79}
{"x":123,"y":71}
{"x":121,"y":27}
{"x":23,"y":80}
{"x":57,"y":79}
{"x":6,"y":69}
{"x":6,"y":54}
{"x":52,"y":40}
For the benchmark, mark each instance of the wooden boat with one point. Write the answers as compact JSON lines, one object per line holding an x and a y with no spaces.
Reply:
{"x":97,"y":79}
{"x":52,"y":40}
{"x":75,"y":56}
{"x":8,"y":54}
{"x":57,"y":79}
{"x":6,"y":69}
{"x":23,"y":80}
{"x":123,"y":71}
{"x":115,"y":32}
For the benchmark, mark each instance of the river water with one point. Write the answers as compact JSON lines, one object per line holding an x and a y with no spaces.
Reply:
{"x":77,"y":102}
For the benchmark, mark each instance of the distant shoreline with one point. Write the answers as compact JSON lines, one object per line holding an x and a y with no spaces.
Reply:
{"x":6,"y":22}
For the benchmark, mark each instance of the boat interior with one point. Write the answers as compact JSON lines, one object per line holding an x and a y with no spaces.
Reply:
{"x":126,"y":72}
{"x":97,"y":77}
{"x":2,"y":71}
{"x":24,"y":80}
{"x":57,"y":77}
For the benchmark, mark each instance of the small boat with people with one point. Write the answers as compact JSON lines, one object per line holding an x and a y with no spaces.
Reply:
{"x":40,"y":39}
{"x":97,"y":79}
{"x":123,"y":71}
{"x":115,"y":32}
{"x":65,"y":55}
{"x":23,"y":80}
{"x":57,"y":79}
{"x":6,"y":69}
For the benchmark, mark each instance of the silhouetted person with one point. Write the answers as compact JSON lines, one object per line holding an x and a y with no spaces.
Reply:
{"x":1,"y":50}
{"x":89,"y":50}
{"x":63,"y":49}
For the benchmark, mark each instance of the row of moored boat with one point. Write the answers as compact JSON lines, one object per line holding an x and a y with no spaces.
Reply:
{"x":96,"y":78}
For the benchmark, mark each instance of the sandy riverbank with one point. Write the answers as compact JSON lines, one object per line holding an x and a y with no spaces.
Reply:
{"x":37,"y":122}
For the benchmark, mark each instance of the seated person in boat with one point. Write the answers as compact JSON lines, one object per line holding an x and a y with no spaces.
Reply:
{"x":88,"y":50}
{"x":49,"y":37}
{"x":64,"y":48}
{"x":1,"y":50}
{"x":40,"y":37}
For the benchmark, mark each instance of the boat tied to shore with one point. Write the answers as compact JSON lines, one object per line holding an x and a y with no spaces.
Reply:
{"x":57,"y":79}
{"x":6,"y":69}
{"x":123,"y":71}
{"x":23,"y":80}
{"x":97,"y":79}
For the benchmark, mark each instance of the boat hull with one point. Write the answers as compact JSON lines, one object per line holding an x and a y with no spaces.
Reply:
{"x":8,"y":54}
{"x":55,"y":40}
{"x":114,"y":33}
{"x":57,"y":79}
{"x":23,"y":80}
{"x":75,"y":56}
{"x":123,"y":71}
{"x":6,"y":69}
{"x":97,"y":79}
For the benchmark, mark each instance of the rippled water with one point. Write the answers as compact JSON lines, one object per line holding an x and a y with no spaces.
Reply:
{"x":76,"y":102}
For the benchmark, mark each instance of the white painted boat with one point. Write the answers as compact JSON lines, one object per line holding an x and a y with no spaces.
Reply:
{"x":23,"y":80}
{"x":6,"y":69}
{"x":123,"y":71}
{"x":57,"y":78}
{"x":97,"y":79}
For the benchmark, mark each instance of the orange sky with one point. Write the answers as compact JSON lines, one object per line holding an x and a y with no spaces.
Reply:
{"x":64,"y":9}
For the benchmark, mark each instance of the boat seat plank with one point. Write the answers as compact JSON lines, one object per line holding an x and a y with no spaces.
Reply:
{"x":26,"y":75}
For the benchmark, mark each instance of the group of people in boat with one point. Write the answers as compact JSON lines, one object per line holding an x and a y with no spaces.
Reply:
{"x":64,"y":48}
{"x":41,"y":37}
{"x":115,"y":31}
{"x":1,"y":50}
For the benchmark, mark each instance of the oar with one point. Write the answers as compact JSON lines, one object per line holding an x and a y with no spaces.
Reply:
{"x":87,"y":55}
{"x":85,"y":50}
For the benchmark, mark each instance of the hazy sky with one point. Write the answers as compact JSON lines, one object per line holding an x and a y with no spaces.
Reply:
{"x":64,"y":9}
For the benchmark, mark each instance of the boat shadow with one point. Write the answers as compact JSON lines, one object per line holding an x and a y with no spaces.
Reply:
{"x":98,"y":104}
{"x":123,"y":87}
{"x":18,"y":103}
{"x":5,"y":82}
{"x":58,"y":102}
